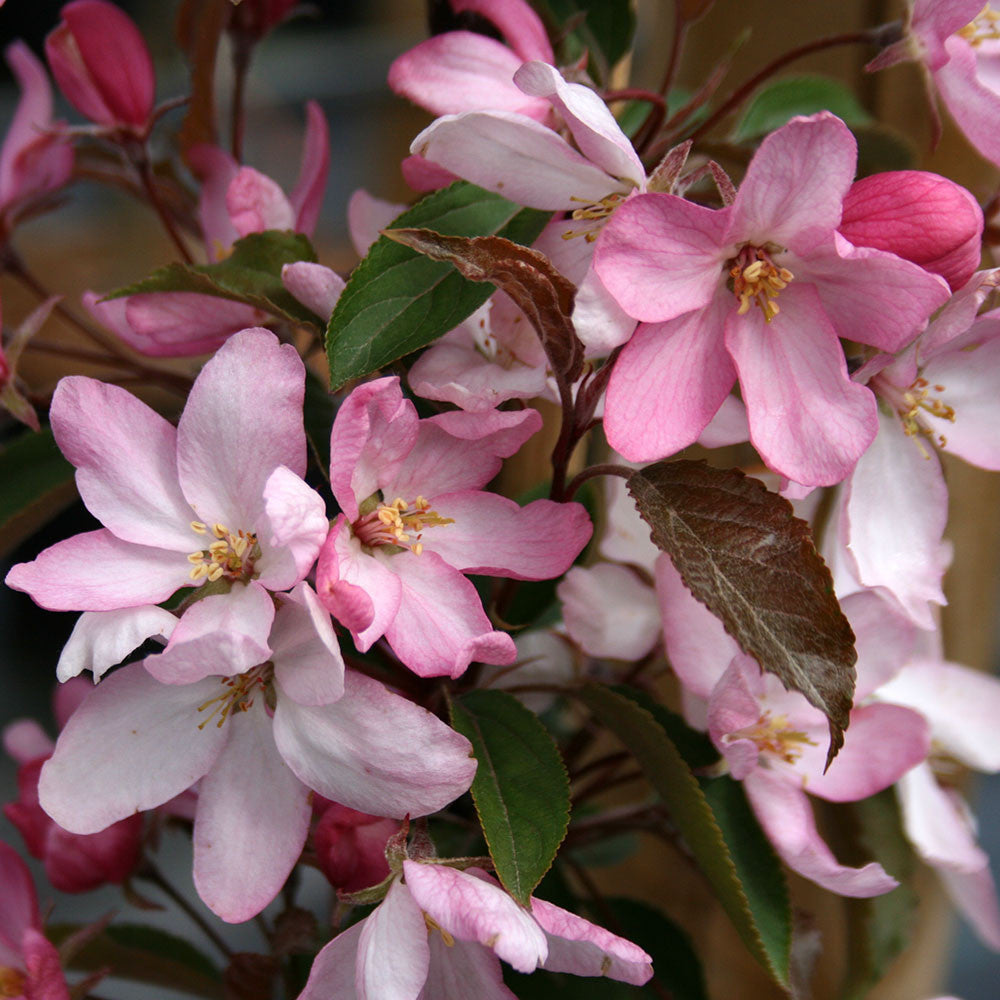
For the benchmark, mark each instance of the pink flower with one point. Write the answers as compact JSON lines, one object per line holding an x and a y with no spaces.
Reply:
{"x":227,"y":479}
{"x":758,"y":291}
{"x":415,"y":519}
{"x":440,"y":933}
{"x":35,"y":158}
{"x":258,"y":739}
{"x":956,"y":42}
{"x":73,"y":862}
{"x":466,"y":71}
{"x":102,"y":65}
{"x":29,"y":963}
{"x":350,"y":847}
{"x":920,"y":217}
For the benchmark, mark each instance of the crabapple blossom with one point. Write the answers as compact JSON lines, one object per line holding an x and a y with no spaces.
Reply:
{"x":957,"y":44}
{"x":758,"y":291}
{"x":227,"y":480}
{"x":415,"y":519}
{"x":29,"y":962}
{"x":258,"y":741}
{"x":440,"y":933}
{"x":350,"y":846}
{"x":100,"y":61}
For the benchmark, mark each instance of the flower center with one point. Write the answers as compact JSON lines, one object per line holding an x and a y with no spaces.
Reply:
{"x":399,"y":523}
{"x":984,"y":27}
{"x":757,"y":279}
{"x":230,"y":555}
{"x":12,"y":982}
{"x":238,"y":694}
{"x":912,"y":403}
{"x":597,"y":212}
{"x":774,"y":736}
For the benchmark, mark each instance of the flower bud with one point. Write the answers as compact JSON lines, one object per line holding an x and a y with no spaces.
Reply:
{"x":919,"y":216}
{"x":102,"y":65}
{"x":350,"y":847}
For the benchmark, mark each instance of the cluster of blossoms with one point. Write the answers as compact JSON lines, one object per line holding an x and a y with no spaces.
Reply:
{"x":281,"y":644}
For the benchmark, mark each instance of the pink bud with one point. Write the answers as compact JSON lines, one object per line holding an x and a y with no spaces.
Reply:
{"x":920,"y":216}
{"x":350,"y":847}
{"x":102,"y":65}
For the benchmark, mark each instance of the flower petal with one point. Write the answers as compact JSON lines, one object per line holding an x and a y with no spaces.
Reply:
{"x":255,"y":203}
{"x":306,"y":655}
{"x":296,"y":527}
{"x":101,"y":639}
{"x":307,"y":196}
{"x":393,"y":953}
{"x":315,"y":286}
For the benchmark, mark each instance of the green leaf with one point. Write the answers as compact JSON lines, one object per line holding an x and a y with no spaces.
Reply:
{"x":145,"y":954}
{"x":775,"y":104}
{"x":251,"y":274}
{"x":604,"y":28}
{"x":398,"y":301}
{"x":696,"y":748}
{"x":746,"y":877}
{"x":741,"y":551}
{"x":521,"y":788}
{"x":880,"y":928}
{"x":36,"y":482}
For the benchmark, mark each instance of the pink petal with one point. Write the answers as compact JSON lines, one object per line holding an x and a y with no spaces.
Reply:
{"x":514,"y":156}
{"x":472,"y":909}
{"x":522,"y":29}
{"x":133,"y":744}
{"x":932,"y":21}
{"x":668,"y":383}
{"x":332,"y":973}
{"x":292,"y":532}
{"x":661,"y":256}
{"x":894,"y":516}
{"x":626,"y":537}
{"x":965,"y":90}
{"x":584,"y":949}
{"x":306,"y":654}
{"x":101,"y":639}
{"x":796,"y":182}
{"x":373,"y":431}
{"x":735,"y":705}
{"x":728,"y":426}
{"x":422,"y":175}
{"x":496,"y":537}
{"x":600,"y":323}
{"x":367,"y":216}
{"x":222,"y":634}
{"x":242,"y":420}
{"x":252,"y":820}
{"x":440,"y":627}
{"x":884,"y":639}
{"x":463,"y":969}
{"x":609,"y":611}
{"x":462,"y":71}
{"x":596,"y":132}
{"x":215,"y":169}
{"x":341,"y":751}
{"x":393,"y":953}
{"x":957,"y":317}
{"x":315,"y":286}
{"x":307,"y":195}
{"x":25,"y":740}
{"x":44,"y":967}
{"x":20,"y":909}
{"x":256,"y":203}
{"x":785,"y":814}
{"x":95,"y":571}
{"x":698,"y":647}
{"x":808,"y":420}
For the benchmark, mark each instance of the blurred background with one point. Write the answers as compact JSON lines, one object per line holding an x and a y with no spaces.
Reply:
{"x":339,"y":54}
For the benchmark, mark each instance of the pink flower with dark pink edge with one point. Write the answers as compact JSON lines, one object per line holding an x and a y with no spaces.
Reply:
{"x":920,"y":216}
{"x":35,"y":159}
{"x":258,"y":742}
{"x":350,"y":846}
{"x":957,"y":44}
{"x":760,"y":292}
{"x":415,"y":519}
{"x":29,"y":963}
{"x":100,"y":61}
{"x":73,"y":862}
{"x":466,"y":71}
{"x":473,"y":924}
{"x":227,"y":479}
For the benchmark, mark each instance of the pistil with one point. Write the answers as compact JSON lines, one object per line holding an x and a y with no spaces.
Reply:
{"x":399,"y":524}
{"x":238,"y":694}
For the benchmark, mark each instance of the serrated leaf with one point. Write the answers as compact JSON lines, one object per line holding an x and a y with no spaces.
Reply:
{"x":521,"y":789}
{"x":775,"y":104}
{"x":541,"y":292}
{"x":741,"y":551}
{"x":748,"y":882}
{"x":251,"y":274}
{"x":146,"y":954}
{"x":398,"y":301}
{"x":36,"y":482}
{"x":880,"y":928}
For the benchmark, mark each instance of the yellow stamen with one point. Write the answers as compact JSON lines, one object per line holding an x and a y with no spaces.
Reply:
{"x":984,"y":27}
{"x":201,"y":529}
{"x":12,"y":982}
{"x":433,"y":925}
{"x":776,"y":737}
